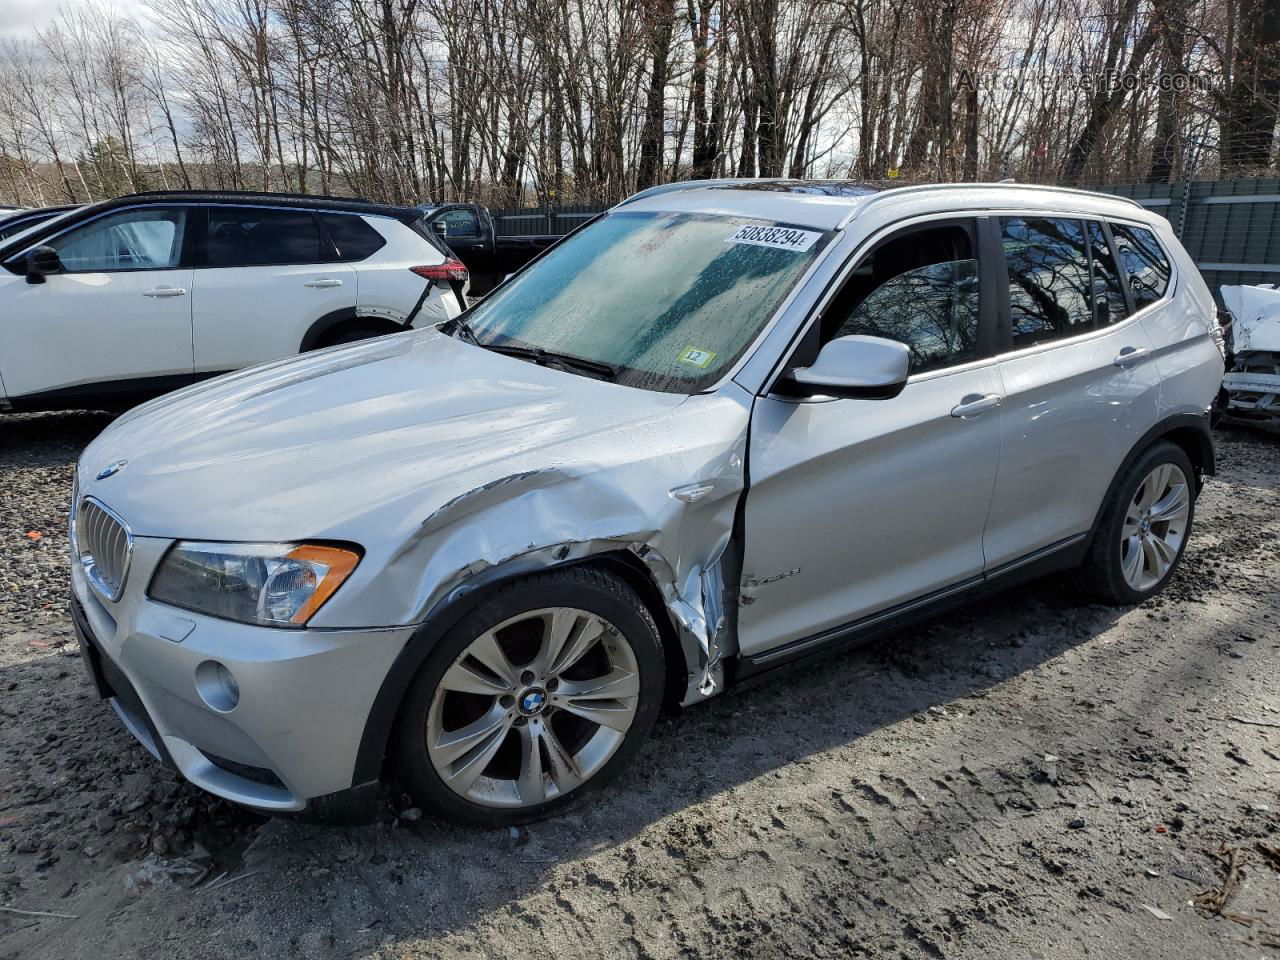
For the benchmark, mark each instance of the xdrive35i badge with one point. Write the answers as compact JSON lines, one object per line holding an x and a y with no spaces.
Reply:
{"x":112,"y":469}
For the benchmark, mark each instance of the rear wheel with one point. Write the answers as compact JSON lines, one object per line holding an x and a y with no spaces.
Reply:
{"x":542,"y":693}
{"x":1144,"y":528}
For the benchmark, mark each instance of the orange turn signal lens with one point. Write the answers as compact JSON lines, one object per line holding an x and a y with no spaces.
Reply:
{"x":338,"y":563}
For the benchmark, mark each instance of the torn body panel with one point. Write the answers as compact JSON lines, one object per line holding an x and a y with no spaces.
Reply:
{"x":452,"y":468}
{"x":530,"y":521}
{"x":1253,"y":381}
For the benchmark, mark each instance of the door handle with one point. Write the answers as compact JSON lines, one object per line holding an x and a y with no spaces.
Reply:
{"x":975,"y":404}
{"x":323,"y":282}
{"x":166,"y":292}
{"x":1130,"y":355}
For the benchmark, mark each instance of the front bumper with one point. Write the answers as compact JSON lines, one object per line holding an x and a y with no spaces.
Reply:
{"x":304,"y":695}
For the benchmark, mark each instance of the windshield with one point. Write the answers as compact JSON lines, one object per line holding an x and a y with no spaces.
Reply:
{"x":668,"y":300}
{"x":11,"y":239}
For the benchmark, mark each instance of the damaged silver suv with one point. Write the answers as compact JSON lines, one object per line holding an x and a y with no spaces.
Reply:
{"x":723,"y":427}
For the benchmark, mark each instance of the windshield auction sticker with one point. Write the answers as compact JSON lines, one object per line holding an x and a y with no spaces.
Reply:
{"x":782,"y":238}
{"x":697,"y":357}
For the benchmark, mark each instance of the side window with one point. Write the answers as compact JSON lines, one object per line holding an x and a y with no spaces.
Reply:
{"x":919,"y":288}
{"x":144,"y":239}
{"x":354,"y":238}
{"x":255,"y":237}
{"x":462,"y":224}
{"x":1143,"y":261}
{"x":1049,"y":285}
{"x":1108,"y":295}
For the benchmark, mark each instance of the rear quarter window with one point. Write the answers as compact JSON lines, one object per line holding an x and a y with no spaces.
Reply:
{"x":353,"y":237}
{"x":1144,"y":262}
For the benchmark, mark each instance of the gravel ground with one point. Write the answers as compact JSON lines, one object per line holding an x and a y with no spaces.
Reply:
{"x":1023,"y":778}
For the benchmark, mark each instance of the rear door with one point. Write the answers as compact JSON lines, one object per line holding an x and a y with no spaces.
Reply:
{"x":857,"y":507}
{"x":264,"y":276}
{"x":117,"y":319}
{"x":1079,"y":382}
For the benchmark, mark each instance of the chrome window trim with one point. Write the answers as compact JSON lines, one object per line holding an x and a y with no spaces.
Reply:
{"x":862,"y":246}
{"x":838,"y":279}
{"x":1047,"y":345}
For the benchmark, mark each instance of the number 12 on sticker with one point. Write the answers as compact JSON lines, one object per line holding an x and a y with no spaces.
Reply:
{"x":697,"y":357}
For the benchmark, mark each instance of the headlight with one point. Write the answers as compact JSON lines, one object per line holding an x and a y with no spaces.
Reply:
{"x":278,"y":584}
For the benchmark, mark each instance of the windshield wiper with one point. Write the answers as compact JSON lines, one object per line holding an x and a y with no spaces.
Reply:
{"x":551,"y":358}
{"x":537,"y":354}
{"x":457,"y":323}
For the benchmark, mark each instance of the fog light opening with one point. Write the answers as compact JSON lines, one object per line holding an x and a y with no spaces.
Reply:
{"x":217,"y":686}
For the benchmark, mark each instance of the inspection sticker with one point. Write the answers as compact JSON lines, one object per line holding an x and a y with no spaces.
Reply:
{"x":696,"y":357}
{"x":784,"y":238}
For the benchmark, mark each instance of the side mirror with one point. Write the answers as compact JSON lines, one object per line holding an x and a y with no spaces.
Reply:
{"x":40,"y":262}
{"x":441,"y":228}
{"x":866,"y":368}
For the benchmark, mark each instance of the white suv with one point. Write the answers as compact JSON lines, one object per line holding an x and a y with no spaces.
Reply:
{"x":126,"y":299}
{"x":726,"y":427}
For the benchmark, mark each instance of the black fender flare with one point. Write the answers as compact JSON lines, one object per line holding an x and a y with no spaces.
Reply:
{"x":322,"y":327}
{"x":1193,"y":428}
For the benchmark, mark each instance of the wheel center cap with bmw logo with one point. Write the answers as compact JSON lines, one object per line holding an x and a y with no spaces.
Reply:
{"x":532,"y":701}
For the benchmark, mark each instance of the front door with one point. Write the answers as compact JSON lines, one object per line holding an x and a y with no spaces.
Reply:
{"x":116,"y":320}
{"x":859,"y":506}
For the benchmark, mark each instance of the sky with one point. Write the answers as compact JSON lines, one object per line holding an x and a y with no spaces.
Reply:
{"x":21,"y":18}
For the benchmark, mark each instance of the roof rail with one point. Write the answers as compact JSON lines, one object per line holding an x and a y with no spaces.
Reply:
{"x":891,"y":192}
{"x":682,"y":185}
{"x":247,"y":193}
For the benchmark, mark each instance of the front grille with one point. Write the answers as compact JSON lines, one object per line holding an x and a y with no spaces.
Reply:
{"x":104,"y":546}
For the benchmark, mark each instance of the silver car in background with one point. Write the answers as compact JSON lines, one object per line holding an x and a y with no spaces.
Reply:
{"x":727,"y":426}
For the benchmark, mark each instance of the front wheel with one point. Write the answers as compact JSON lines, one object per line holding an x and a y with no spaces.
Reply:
{"x":543,"y":692}
{"x":1144,"y":528}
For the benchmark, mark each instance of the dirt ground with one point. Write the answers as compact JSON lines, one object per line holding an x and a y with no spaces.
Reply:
{"x":1026,"y":778}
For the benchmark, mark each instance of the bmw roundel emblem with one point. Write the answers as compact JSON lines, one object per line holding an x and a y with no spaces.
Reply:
{"x":112,"y":469}
{"x":532,"y":701}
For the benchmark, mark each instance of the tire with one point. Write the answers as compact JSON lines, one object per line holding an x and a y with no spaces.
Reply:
{"x":1112,"y":572}
{"x":494,"y":738}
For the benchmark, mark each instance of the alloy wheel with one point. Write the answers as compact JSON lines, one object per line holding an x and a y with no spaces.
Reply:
{"x":1155,"y":526}
{"x":533,"y":707}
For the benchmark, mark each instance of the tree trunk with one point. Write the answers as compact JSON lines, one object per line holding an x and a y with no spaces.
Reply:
{"x":1105,"y":102}
{"x":1164,"y":148}
{"x":652,"y":138}
{"x":1248,"y":130}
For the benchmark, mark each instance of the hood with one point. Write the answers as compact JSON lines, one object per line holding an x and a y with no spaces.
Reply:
{"x":313,"y":446}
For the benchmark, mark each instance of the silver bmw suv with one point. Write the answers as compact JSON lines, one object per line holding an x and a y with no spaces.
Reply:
{"x":723,"y":427}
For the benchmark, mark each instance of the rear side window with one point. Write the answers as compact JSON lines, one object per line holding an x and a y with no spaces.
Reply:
{"x":256,"y":237}
{"x":1049,"y":283}
{"x":354,"y":238}
{"x":1108,"y":295}
{"x":1143,"y":261}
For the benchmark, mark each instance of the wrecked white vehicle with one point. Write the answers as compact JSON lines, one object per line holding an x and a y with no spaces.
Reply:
{"x":725,"y":427}
{"x":1252,"y":382}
